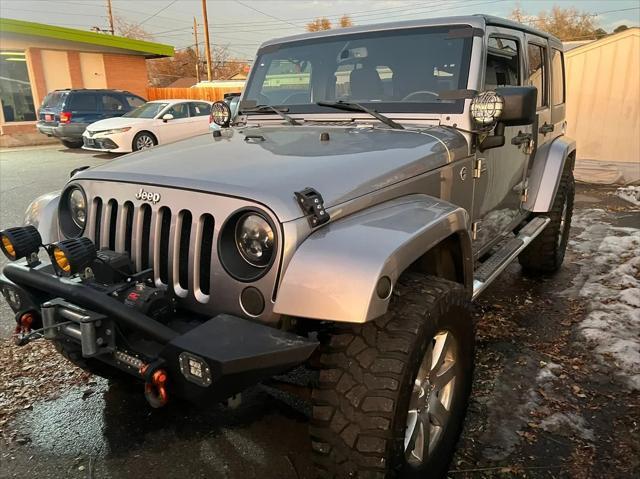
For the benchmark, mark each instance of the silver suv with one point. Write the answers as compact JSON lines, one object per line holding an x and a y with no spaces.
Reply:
{"x":375,"y":180}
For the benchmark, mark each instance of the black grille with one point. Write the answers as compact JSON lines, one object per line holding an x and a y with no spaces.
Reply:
{"x":159,"y":239}
{"x":185,"y":236}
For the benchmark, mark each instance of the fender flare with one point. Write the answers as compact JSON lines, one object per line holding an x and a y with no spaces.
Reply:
{"x":43,"y":214}
{"x":546,"y":171}
{"x":334,"y":273}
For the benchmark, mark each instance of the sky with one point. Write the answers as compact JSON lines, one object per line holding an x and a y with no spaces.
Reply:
{"x":241,"y":25}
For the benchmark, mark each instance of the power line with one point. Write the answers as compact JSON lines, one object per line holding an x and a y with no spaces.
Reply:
{"x":585,"y":14}
{"x":265,"y":14}
{"x":386,"y":16}
{"x":159,"y":11}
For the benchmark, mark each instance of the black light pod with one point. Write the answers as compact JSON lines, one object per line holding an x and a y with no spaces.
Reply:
{"x":72,"y":256}
{"x":21,"y":242}
{"x":221,"y":114}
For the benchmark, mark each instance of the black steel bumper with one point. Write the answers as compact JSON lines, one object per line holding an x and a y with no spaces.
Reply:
{"x":228,"y":353}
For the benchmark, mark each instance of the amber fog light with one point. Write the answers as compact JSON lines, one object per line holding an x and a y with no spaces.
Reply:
{"x":20,"y":242}
{"x":252,"y":301}
{"x":73,"y":255}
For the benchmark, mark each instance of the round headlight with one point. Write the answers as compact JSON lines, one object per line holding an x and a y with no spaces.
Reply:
{"x":72,"y":211}
{"x":248,"y":245}
{"x":78,"y":207}
{"x":255,"y":240}
{"x":486,"y":108}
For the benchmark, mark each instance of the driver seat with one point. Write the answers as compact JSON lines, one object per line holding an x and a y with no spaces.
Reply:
{"x":366,"y":84}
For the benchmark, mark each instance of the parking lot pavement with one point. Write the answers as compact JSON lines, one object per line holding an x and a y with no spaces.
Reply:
{"x":555,"y":389}
{"x":26,"y":173}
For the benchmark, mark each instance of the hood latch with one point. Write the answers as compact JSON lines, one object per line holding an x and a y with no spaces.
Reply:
{"x":312,"y":206}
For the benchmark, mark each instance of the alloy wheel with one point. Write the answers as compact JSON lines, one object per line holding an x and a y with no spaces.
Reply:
{"x":143,"y":142}
{"x":431,"y":398}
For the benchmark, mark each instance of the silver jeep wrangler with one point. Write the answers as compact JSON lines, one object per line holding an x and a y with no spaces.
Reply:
{"x":374,"y":181}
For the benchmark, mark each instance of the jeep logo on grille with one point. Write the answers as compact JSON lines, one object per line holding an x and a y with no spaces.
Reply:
{"x":147,"y":196}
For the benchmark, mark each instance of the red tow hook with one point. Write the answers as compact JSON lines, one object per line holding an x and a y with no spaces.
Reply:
{"x":23,"y":328}
{"x":155,"y":389}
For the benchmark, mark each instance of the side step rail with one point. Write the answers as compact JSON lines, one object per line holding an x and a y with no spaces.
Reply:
{"x":492,"y":267}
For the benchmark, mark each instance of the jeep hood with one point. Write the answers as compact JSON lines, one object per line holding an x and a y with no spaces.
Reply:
{"x":268,"y":164}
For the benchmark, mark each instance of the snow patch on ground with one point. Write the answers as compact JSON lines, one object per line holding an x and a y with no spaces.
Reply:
{"x":609,"y":282}
{"x":630,"y":194}
{"x":566,"y":423}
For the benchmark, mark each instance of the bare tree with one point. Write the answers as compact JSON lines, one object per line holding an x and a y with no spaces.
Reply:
{"x":345,"y":21}
{"x":164,"y":71}
{"x":127,"y":29}
{"x":323,"y":23}
{"x":319,"y":24}
{"x":564,"y":23}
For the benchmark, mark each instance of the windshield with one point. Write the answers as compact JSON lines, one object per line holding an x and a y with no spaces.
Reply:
{"x":390,"y":71}
{"x":148,"y":110}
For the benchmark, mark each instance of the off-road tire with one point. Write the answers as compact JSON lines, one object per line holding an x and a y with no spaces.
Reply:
{"x":72,"y":144}
{"x":361,"y":403}
{"x":545,"y":254}
{"x":73,"y":354}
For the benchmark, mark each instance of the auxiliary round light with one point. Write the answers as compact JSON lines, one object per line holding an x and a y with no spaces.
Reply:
{"x":20,"y":242}
{"x":221,"y":114}
{"x":73,"y":255}
{"x":486,"y":108}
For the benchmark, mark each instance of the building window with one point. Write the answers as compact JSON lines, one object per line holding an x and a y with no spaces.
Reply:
{"x":15,"y":88}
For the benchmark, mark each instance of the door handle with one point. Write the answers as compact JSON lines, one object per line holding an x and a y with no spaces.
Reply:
{"x":546,"y":128}
{"x":521,"y":138}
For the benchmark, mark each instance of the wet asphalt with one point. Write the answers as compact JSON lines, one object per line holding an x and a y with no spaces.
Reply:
{"x":106,"y":430}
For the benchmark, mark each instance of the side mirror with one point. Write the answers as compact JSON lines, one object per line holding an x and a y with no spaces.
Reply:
{"x":506,"y":106}
{"x":166,"y":117}
{"x":519,"y":107}
{"x":493,"y":141}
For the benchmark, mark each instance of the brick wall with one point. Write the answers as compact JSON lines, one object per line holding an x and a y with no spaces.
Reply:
{"x":36,"y":75}
{"x":75,"y":70}
{"x":126,"y":72}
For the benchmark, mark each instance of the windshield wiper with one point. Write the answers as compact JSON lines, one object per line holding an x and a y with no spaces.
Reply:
{"x":262,"y":108}
{"x":348,"y":106}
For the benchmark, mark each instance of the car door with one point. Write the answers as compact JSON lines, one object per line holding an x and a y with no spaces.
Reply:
{"x":178,"y":127}
{"x":84,"y":108}
{"x":199,"y":112}
{"x":500,"y":172}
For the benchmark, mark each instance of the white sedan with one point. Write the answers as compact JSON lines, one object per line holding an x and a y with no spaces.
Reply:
{"x":154,"y":123}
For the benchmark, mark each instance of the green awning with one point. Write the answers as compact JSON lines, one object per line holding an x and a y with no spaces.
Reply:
{"x":138,"y":47}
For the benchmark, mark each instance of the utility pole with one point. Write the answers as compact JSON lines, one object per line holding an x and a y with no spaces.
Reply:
{"x":207,"y":45}
{"x":110,"y":17}
{"x":195,"y":34}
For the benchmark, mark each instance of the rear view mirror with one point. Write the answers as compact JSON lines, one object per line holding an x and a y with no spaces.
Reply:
{"x":519,"y":107}
{"x":166,"y":117}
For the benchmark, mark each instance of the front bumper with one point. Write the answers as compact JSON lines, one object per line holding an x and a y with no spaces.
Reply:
{"x":205,"y":360}
{"x":99,"y":144}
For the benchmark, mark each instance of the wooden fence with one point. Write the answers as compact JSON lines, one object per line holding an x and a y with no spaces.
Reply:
{"x":210,"y":94}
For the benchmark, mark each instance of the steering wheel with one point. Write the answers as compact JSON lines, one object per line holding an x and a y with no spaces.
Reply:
{"x":304,"y":97}
{"x":420,"y":92}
